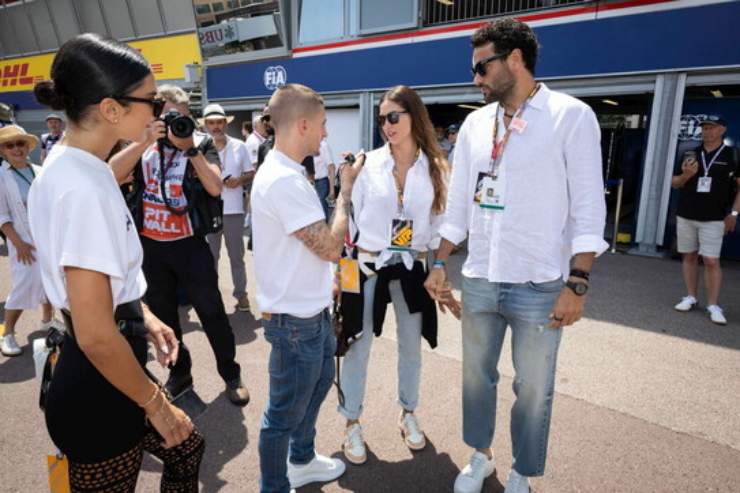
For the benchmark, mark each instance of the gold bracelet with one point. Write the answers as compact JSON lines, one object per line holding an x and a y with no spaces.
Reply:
{"x":151,"y":399}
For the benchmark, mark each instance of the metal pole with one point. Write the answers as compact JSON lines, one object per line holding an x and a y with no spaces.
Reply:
{"x":617,"y":212}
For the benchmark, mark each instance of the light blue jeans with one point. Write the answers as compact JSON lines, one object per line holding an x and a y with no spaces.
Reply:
{"x":488,"y":308}
{"x":354,"y":366}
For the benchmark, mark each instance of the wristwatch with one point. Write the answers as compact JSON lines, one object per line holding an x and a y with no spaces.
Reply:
{"x":579,"y":288}
{"x":734,"y":213}
{"x":192,"y":152}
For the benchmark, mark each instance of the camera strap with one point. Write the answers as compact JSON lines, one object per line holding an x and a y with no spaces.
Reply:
{"x":163,"y":178}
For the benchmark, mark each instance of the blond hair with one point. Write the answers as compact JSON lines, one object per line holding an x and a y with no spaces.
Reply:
{"x":173,"y":94}
{"x":291,"y":102}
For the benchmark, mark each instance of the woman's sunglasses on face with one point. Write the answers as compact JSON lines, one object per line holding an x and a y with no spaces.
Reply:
{"x":480,"y":67}
{"x":12,"y":145}
{"x":392,"y":117}
{"x":157,"y":104}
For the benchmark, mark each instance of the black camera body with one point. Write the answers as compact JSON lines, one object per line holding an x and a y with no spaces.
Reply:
{"x":180,"y":125}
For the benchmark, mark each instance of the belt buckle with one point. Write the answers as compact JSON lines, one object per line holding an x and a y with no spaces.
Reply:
{"x":267,"y":316}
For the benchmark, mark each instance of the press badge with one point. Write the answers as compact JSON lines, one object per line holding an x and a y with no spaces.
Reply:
{"x":488,"y":192}
{"x":402,"y":232}
{"x":349,"y":275}
{"x":704,"y":185}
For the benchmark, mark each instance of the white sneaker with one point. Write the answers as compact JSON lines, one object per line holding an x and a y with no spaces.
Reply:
{"x":320,"y":470}
{"x":715,"y":313}
{"x":9,"y":346}
{"x":354,"y":445}
{"x":470,"y":479}
{"x":412,"y":434}
{"x":517,"y":483}
{"x":686,"y":304}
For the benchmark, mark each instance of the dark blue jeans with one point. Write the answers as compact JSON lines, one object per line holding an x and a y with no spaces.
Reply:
{"x":322,"y":190}
{"x":301,"y":373}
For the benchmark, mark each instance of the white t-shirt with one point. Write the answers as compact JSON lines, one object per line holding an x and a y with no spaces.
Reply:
{"x":253,"y":143}
{"x":79,"y":219}
{"x":234,"y":162}
{"x":322,"y":161}
{"x":290,"y":277}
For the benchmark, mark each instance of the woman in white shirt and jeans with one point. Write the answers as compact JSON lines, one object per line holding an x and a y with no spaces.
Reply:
{"x":102,"y":408}
{"x":405,"y":180}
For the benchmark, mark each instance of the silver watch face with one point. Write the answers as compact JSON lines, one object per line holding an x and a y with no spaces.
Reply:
{"x":581,"y":288}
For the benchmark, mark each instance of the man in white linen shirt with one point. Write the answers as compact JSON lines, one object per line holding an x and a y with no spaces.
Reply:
{"x":293,"y":253}
{"x":531,"y":206}
{"x":236,"y":172}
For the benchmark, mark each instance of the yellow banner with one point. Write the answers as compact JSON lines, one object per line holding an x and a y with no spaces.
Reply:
{"x":167,"y":56}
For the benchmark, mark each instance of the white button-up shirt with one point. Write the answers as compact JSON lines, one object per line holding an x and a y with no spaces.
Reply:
{"x":553,"y":191}
{"x":375,"y":202}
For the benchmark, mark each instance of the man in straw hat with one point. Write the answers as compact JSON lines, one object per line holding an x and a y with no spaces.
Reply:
{"x":27,"y":291}
{"x":236,"y":171}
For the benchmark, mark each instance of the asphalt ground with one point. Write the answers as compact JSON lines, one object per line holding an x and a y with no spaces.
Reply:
{"x":647,"y":399}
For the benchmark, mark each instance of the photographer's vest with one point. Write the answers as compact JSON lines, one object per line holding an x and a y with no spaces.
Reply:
{"x":159,"y":223}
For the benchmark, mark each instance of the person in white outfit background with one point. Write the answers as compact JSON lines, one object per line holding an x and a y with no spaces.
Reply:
{"x":27,"y":292}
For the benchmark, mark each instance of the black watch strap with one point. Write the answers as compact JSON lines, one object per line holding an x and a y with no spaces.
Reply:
{"x":192,"y":152}
{"x":581,"y":274}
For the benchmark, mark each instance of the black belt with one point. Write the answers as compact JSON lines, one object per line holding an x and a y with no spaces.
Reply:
{"x":129,"y":317}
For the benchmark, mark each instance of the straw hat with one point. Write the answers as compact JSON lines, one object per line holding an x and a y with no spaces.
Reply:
{"x":13,"y":133}
{"x":214,"y":112}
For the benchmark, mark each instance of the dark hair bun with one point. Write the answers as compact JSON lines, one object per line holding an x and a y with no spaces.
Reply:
{"x":46,"y":94}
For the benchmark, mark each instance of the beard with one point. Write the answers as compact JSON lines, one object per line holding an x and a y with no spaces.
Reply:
{"x":500,"y":90}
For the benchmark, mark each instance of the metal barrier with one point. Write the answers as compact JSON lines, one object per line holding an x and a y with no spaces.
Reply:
{"x":617,"y":209}
{"x":436,"y":12}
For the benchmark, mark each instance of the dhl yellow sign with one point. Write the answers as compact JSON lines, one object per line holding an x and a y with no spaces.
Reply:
{"x":167,"y":56}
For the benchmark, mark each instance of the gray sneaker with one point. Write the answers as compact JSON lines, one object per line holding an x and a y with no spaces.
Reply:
{"x":9,"y":346}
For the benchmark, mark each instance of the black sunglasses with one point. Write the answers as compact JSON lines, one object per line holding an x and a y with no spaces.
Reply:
{"x":393,"y":117}
{"x":480,"y":67}
{"x":157,"y":104}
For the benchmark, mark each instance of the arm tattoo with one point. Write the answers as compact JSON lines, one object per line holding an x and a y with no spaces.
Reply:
{"x":319,"y":239}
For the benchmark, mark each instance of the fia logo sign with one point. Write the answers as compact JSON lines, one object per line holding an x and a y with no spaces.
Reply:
{"x":275,"y":77}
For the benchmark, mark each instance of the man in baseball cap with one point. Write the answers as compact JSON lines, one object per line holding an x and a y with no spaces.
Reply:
{"x":55,"y":124}
{"x":708,"y":207}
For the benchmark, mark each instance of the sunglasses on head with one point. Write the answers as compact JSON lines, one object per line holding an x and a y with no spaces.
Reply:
{"x":157,"y":104}
{"x":13,"y":145}
{"x":480,"y":67}
{"x":393,"y":117}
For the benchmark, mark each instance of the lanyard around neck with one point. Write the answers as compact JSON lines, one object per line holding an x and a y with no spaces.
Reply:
{"x":704,"y":164}
{"x":25,"y":178}
{"x":498,"y":147}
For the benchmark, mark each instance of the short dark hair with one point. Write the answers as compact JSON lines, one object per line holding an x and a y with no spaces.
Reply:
{"x":507,"y":35}
{"x":87,"y":69}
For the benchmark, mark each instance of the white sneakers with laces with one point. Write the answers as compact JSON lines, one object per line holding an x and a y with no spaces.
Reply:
{"x":716,"y":315}
{"x":517,"y":483}
{"x":470,"y":479}
{"x":412,"y":434}
{"x":686,"y":304}
{"x":9,"y":346}
{"x":320,"y":470}
{"x":354,"y":445}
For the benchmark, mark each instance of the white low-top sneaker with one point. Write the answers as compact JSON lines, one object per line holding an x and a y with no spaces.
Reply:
{"x":686,"y":304}
{"x":470,"y":479}
{"x":517,"y":483}
{"x":320,"y":470}
{"x":56,"y":323}
{"x":412,"y":434}
{"x":9,"y":346}
{"x":354,"y":445}
{"x":715,"y":313}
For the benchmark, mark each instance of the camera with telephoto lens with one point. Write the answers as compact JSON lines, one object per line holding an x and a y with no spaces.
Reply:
{"x":180,"y":125}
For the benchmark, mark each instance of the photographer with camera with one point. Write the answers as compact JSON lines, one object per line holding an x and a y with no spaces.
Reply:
{"x":173,"y":215}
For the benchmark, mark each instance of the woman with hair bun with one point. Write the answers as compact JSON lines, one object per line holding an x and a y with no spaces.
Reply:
{"x":102,"y":408}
